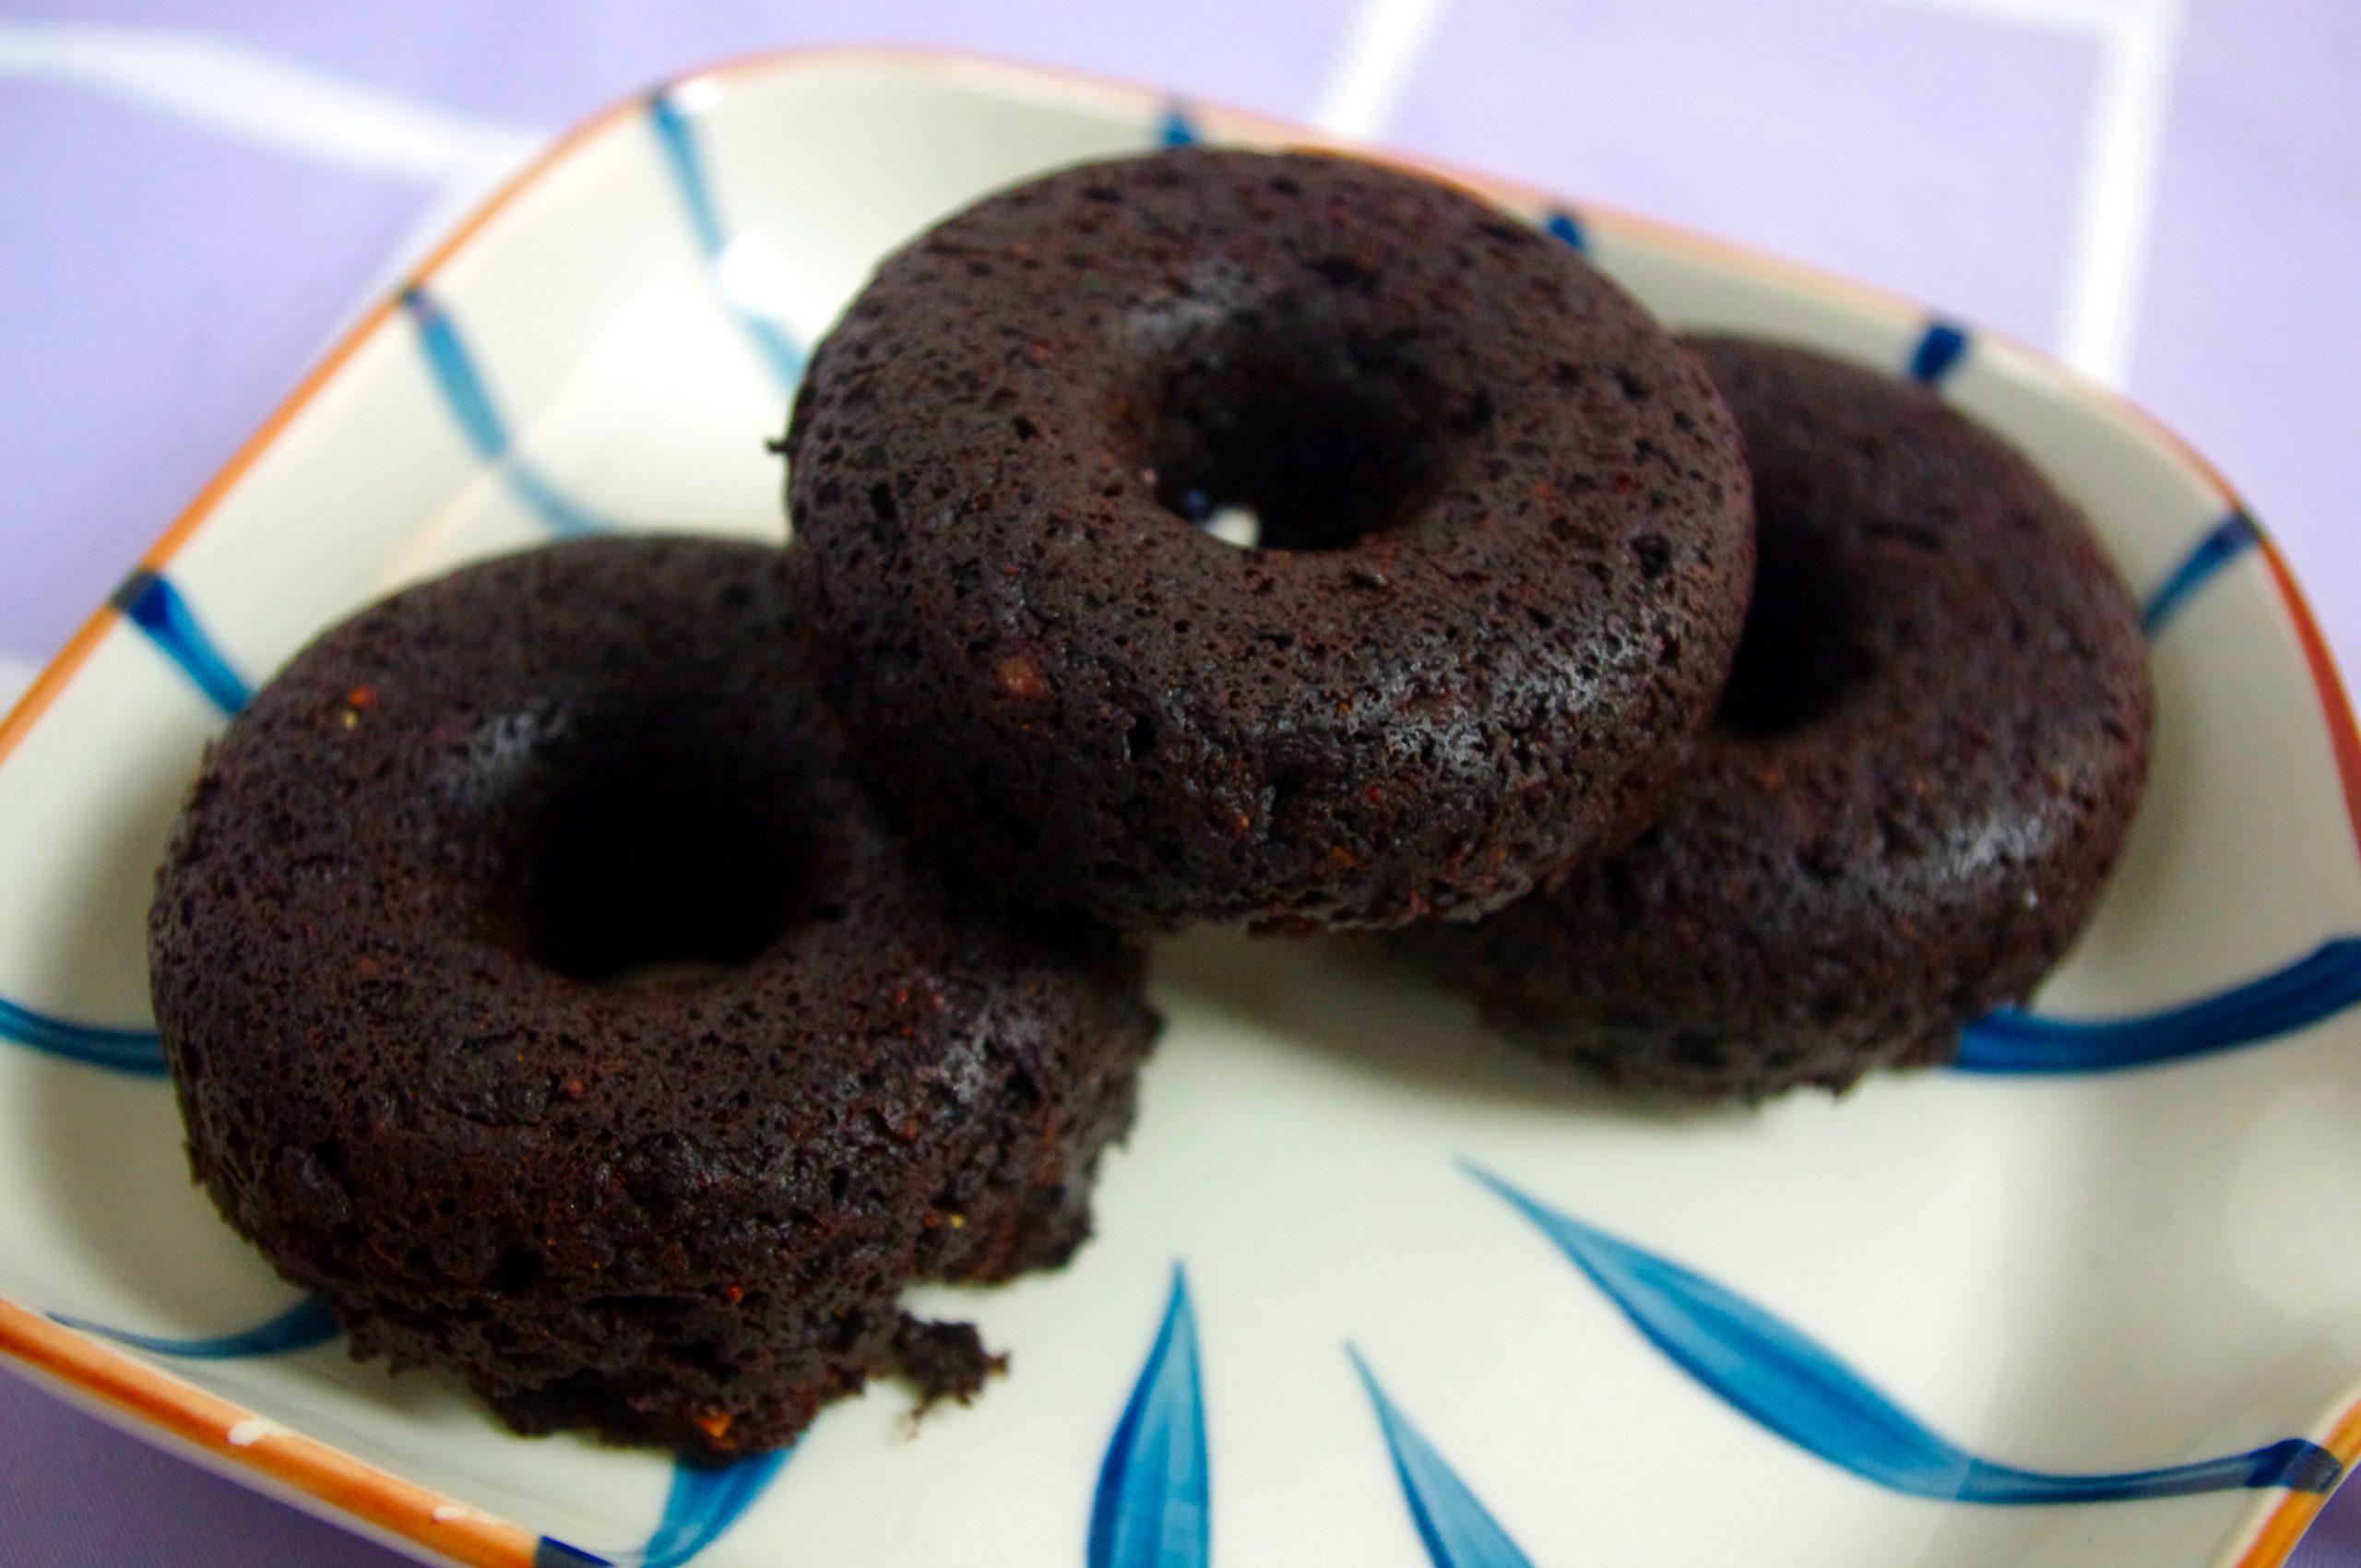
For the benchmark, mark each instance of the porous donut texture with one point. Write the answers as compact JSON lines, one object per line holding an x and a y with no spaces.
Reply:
{"x":1503,"y":557}
{"x":1933,"y":742}
{"x":542,"y":990}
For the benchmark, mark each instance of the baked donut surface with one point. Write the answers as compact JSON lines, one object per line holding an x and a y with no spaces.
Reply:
{"x":540,"y":989}
{"x":1933,"y":741}
{"x":1503,"y":561}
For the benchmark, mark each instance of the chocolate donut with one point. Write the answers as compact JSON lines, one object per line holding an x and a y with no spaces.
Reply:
{"x":1504,"y":545}
{"x":540,"y":989}
{"x":1935,"y":735}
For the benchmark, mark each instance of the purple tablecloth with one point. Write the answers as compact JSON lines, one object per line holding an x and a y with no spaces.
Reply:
{"x":194,"y":195}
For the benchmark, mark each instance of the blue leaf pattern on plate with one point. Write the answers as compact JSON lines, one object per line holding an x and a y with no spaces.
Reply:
{"x":137,"y":1051}
{"x":300,"y":1327}
{"x":1459,"y":1532}
{"x":702,"y":1504}
{"x":1795,"y":1387}
{"x":470,"y":400}
{"x":157,"y":608}
{"x":676,"y":133}
{"x":1176,"y":129}
{"x":1154,"y":1506}
{"x":698,"y":1510}
{"x":2323,"y":983}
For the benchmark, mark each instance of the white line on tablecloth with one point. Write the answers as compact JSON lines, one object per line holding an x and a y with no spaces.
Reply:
{"x":2099,"y":324}
{"x":245,"y":92}
{"x":280,"y":103}
{"x":265,"y":98}
{"x":2061,"y":16}
{"x":1381,"y":47}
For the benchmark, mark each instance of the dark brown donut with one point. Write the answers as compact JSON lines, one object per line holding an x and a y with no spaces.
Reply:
{"x":401,"y":954}
{"x":1934,"y":738}
{"x":1504,"y":544}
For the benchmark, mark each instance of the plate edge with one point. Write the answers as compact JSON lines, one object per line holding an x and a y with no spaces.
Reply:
{"x":236,"y":1436}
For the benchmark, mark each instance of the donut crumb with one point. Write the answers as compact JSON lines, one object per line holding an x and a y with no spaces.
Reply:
{"x":944,"y":1361}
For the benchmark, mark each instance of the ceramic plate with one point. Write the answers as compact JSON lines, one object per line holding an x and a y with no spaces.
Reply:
{"x":1367,"y":1290}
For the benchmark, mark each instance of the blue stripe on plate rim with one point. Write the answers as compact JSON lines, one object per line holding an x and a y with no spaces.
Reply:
{"x":672,"y":120}
{"x":468,"y":399}
{"x":1941,"y":346}
{"x":149,"y":601}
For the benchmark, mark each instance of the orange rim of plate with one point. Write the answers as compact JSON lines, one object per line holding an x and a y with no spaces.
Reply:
{"x":271,"y":1454}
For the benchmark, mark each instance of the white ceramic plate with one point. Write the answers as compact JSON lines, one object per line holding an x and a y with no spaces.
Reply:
{"x":2088,"y":1276}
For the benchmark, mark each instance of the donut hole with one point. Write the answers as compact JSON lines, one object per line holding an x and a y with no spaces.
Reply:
{"x":1296,"y":441}
{"x":1801,"y":648}
{"x":661,"y":858}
